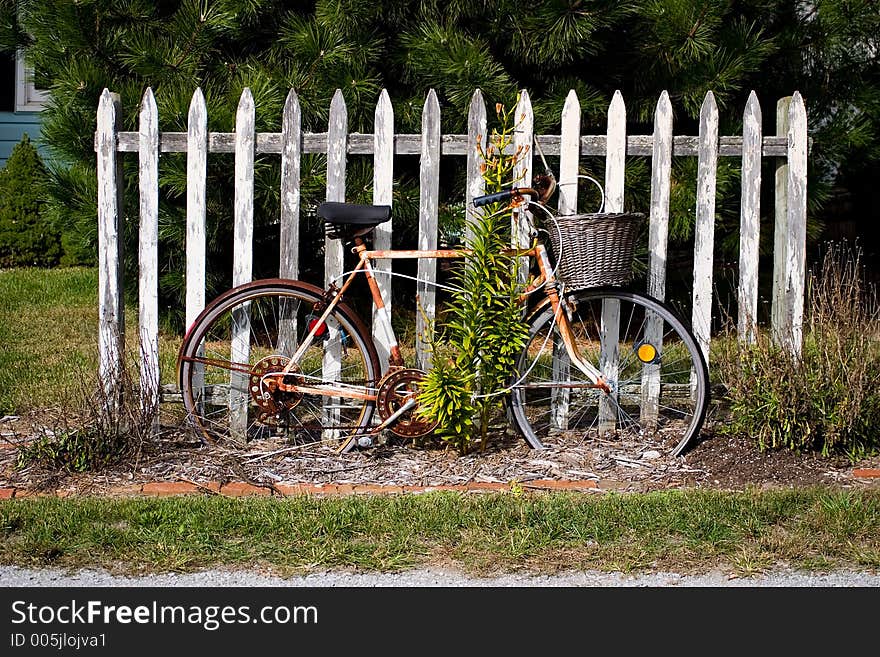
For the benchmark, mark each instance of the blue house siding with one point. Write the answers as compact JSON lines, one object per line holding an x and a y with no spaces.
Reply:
{"x":12,"y":126}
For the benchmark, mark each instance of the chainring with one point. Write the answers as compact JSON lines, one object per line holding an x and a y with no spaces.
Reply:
{"x":264,"y":388}
{"x":394,"y":390}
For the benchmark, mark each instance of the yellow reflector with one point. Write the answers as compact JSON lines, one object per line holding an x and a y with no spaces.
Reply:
{"x":646,"y":353}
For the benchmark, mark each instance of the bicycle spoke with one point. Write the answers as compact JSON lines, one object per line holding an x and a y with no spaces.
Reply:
{"x":591,"y":412}
{"x":244,"y":404}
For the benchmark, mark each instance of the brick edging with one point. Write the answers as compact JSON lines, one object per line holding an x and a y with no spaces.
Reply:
{"x":244,"y":489}
{"x":866,"y":473}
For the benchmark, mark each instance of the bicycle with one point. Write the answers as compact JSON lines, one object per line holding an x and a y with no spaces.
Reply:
{"x":283,"y":358}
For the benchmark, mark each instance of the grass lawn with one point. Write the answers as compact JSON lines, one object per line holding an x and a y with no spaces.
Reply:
{"x":689,"y":531}
{"x":48,"y":336}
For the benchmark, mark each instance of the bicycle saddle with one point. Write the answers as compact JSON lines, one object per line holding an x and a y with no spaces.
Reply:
{"x":348,"y":220}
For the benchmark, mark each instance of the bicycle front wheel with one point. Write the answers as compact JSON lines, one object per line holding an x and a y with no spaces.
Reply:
{"x":237,"y":350}
{"x":657,"y":379}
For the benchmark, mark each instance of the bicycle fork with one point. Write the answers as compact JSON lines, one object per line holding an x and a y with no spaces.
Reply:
{"x":561,"y":319}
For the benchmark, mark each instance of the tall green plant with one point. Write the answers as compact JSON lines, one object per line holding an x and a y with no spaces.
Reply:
{"x":484,"y":330}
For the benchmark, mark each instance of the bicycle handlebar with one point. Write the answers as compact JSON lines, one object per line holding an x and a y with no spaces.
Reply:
{"x":503,"y":195}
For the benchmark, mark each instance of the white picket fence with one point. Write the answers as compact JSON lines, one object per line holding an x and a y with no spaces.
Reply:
{"x":788,"y":147}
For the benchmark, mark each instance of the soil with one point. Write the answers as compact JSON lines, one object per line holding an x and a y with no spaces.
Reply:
{"x":715,"y":461}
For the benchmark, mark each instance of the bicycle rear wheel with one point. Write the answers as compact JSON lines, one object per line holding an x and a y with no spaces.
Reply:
{"x":231,"y":358}
{"x":658,"y":378}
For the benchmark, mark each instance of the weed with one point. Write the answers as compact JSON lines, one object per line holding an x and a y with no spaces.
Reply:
{"x":96,"y":428}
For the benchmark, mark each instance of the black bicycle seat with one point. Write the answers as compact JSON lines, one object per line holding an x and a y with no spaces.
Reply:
{"x":348,"y":220}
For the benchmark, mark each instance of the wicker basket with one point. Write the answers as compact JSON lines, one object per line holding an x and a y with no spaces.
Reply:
{"x":597,"y":249}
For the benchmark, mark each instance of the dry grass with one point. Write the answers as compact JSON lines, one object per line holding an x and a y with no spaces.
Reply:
{"x":825,"y":398}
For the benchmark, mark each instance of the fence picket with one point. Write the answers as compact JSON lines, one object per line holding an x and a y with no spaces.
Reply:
{"x":704,"y":228}
{"x":615,"y":169}
{"x":796,"y":249}
{"x":196,"y":209}
{"x":780,"y":230}
{"x":288,"y":233}
{"x":148,"y":255}
{"x":429,"y":194}
{"x":477,"y":140}
{"x":242,"y":263}
{"x":569,"y":154}
{"x":111,"y":318}
{"x":658,"y":231}
{"x":334,"y":256}
{"x":750,"y":222}
{"x":661,"y":170}
{"x":242,"y":268}
{"x":196,"y":181}
{"x":615,"y":158}
{"x":523,"y":137}
{"x":569,"y":162}
{"x":383,"y":186}
{"x":291,"y":136}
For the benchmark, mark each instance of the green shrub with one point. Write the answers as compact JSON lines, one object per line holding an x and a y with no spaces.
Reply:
{"x":827,"y":399}
{"x":74,"y":451}
{"x":26,"y":238}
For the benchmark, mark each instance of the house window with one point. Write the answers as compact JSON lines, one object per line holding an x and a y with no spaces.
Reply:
{"x":28,"y":98}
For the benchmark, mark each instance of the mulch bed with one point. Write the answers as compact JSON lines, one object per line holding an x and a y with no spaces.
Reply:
{"x":715,"y":462}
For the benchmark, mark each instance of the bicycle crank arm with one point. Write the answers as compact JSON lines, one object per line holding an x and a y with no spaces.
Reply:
{"x":408,"y":404}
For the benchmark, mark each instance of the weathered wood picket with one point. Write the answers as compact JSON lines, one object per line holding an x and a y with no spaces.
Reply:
{"x":788,"y":147}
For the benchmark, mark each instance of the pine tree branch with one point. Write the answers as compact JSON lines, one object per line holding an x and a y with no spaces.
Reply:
{"x":699,"y":21}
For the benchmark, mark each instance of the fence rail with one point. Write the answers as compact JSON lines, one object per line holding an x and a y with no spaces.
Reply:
{"x":788,"y":148}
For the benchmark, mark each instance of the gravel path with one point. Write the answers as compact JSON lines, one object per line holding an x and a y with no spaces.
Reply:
{"x":12,"y":576}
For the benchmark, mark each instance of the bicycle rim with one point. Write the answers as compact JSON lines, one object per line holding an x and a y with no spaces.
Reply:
{"x":231,"y":358}
{"x":649,"y":358}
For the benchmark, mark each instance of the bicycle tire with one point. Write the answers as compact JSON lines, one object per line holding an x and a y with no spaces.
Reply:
{"x":659,"y":388}
{"x":275,"y":316}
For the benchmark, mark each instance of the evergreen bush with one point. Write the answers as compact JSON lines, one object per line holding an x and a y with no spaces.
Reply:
{"x":26,"y":237}
{"x":826,"y":50}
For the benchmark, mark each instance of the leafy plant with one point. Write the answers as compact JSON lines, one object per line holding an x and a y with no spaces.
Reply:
{"x":825,"y":399}
{"x":26,"y":238}
{"x":484,"y":329}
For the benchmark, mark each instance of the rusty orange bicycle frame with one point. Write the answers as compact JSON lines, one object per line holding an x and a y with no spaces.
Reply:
{"x":545,"y":279}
